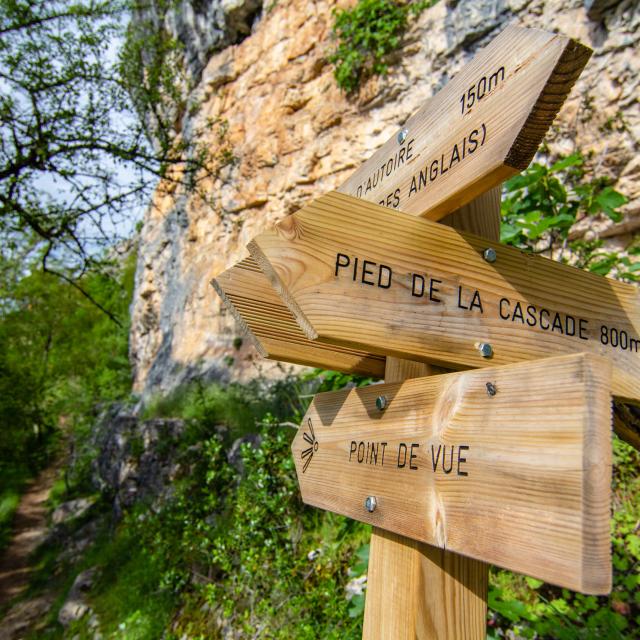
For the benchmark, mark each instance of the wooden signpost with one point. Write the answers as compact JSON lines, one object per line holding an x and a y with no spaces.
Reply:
{"x":507,"y":463}
{"x":510,"y":465}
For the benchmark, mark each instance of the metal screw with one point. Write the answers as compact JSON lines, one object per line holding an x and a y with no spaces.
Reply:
{"x":381,"y":403}
{"x":402,"y":135}
{"x":491,"y":389}
{"x":370,"y":504}
{"x":490,"y":254}
{"x":485,"y":349}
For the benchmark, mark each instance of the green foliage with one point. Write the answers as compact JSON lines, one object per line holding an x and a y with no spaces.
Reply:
{"x":86,"y":135}
{"x":266,"y":577}
{"x":366,"y":35}
{"x":151,"y":68}
{"x":129,"y":596}
{"x":239,"y":409}
{"x":232,"y":546}
{"x":543,"y":203}
{"x":59,"y":357}
{"x":358,"y":571}
{"x":335,"y":380}
{"x":13,"y":479}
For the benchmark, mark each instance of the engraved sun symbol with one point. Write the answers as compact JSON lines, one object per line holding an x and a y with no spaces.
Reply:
{"x":307,"y":453}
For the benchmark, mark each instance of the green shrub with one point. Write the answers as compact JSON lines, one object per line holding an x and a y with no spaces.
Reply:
{"x":366,"y":35}
{"x":230,"y":544}
{"x":238,"y":408}
{"x":542,"y":204}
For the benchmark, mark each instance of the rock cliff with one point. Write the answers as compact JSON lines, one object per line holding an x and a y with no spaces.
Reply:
{"x":282,"y":133}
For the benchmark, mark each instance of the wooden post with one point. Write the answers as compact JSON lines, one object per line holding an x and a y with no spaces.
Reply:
{"x":416,"y":591}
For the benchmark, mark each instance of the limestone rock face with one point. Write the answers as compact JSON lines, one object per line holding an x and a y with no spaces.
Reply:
{"x":130,"y":465}
{"x":76,"y":606}
{"x":71,"y":510}
{"x":284,"y":133}
{"x":207,"y":27}
{"x":203,"y":27}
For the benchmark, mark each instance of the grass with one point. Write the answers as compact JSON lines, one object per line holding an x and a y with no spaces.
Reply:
{"x":9,"y":502}
{"x":129,"y":597}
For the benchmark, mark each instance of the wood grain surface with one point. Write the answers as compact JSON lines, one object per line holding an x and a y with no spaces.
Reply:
{"x":484,"y":126}
{"x":263,"y":317}
{"x":426,"y":292}
{"x":520,"y":478}
{"x":437,"y":594}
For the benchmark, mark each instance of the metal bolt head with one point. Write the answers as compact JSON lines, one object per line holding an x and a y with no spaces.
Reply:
{"x":485,"y":349}
{"x":402,"y":135}
{"x":370,"y":504}
{"x":381,"y":403}
{"x":491,"y":389}
{"x":490,"y":254}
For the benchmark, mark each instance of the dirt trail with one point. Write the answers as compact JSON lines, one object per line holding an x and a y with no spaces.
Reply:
{"x":29,"y":530}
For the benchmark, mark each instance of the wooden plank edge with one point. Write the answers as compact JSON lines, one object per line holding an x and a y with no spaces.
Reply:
{"x":360,"y":364}
{"x":277,"y":284}
{"x":320,"y":354}
{"x":244,"y":327}
{"x":569,"y":66}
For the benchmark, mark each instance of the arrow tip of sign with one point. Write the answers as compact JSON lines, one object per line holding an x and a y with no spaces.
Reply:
{"x":268,"y":270}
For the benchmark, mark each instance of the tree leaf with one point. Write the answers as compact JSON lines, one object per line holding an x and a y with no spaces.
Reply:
{"x":574,"y":160}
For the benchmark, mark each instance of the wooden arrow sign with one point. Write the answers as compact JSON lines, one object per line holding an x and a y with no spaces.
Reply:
{"x":360,"y":275}
{"x":483,"y":127}
{"x":268,"y":323}
{"x":510,"y":465}
{"x":258,"y":309}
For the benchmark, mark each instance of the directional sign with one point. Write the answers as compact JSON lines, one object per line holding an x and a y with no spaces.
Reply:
{"x":258,"y":309}
{"x":360,"y":275}
{"x":266,"y":320}
{"x":483,"y":127}
{"x":510,"y":465}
